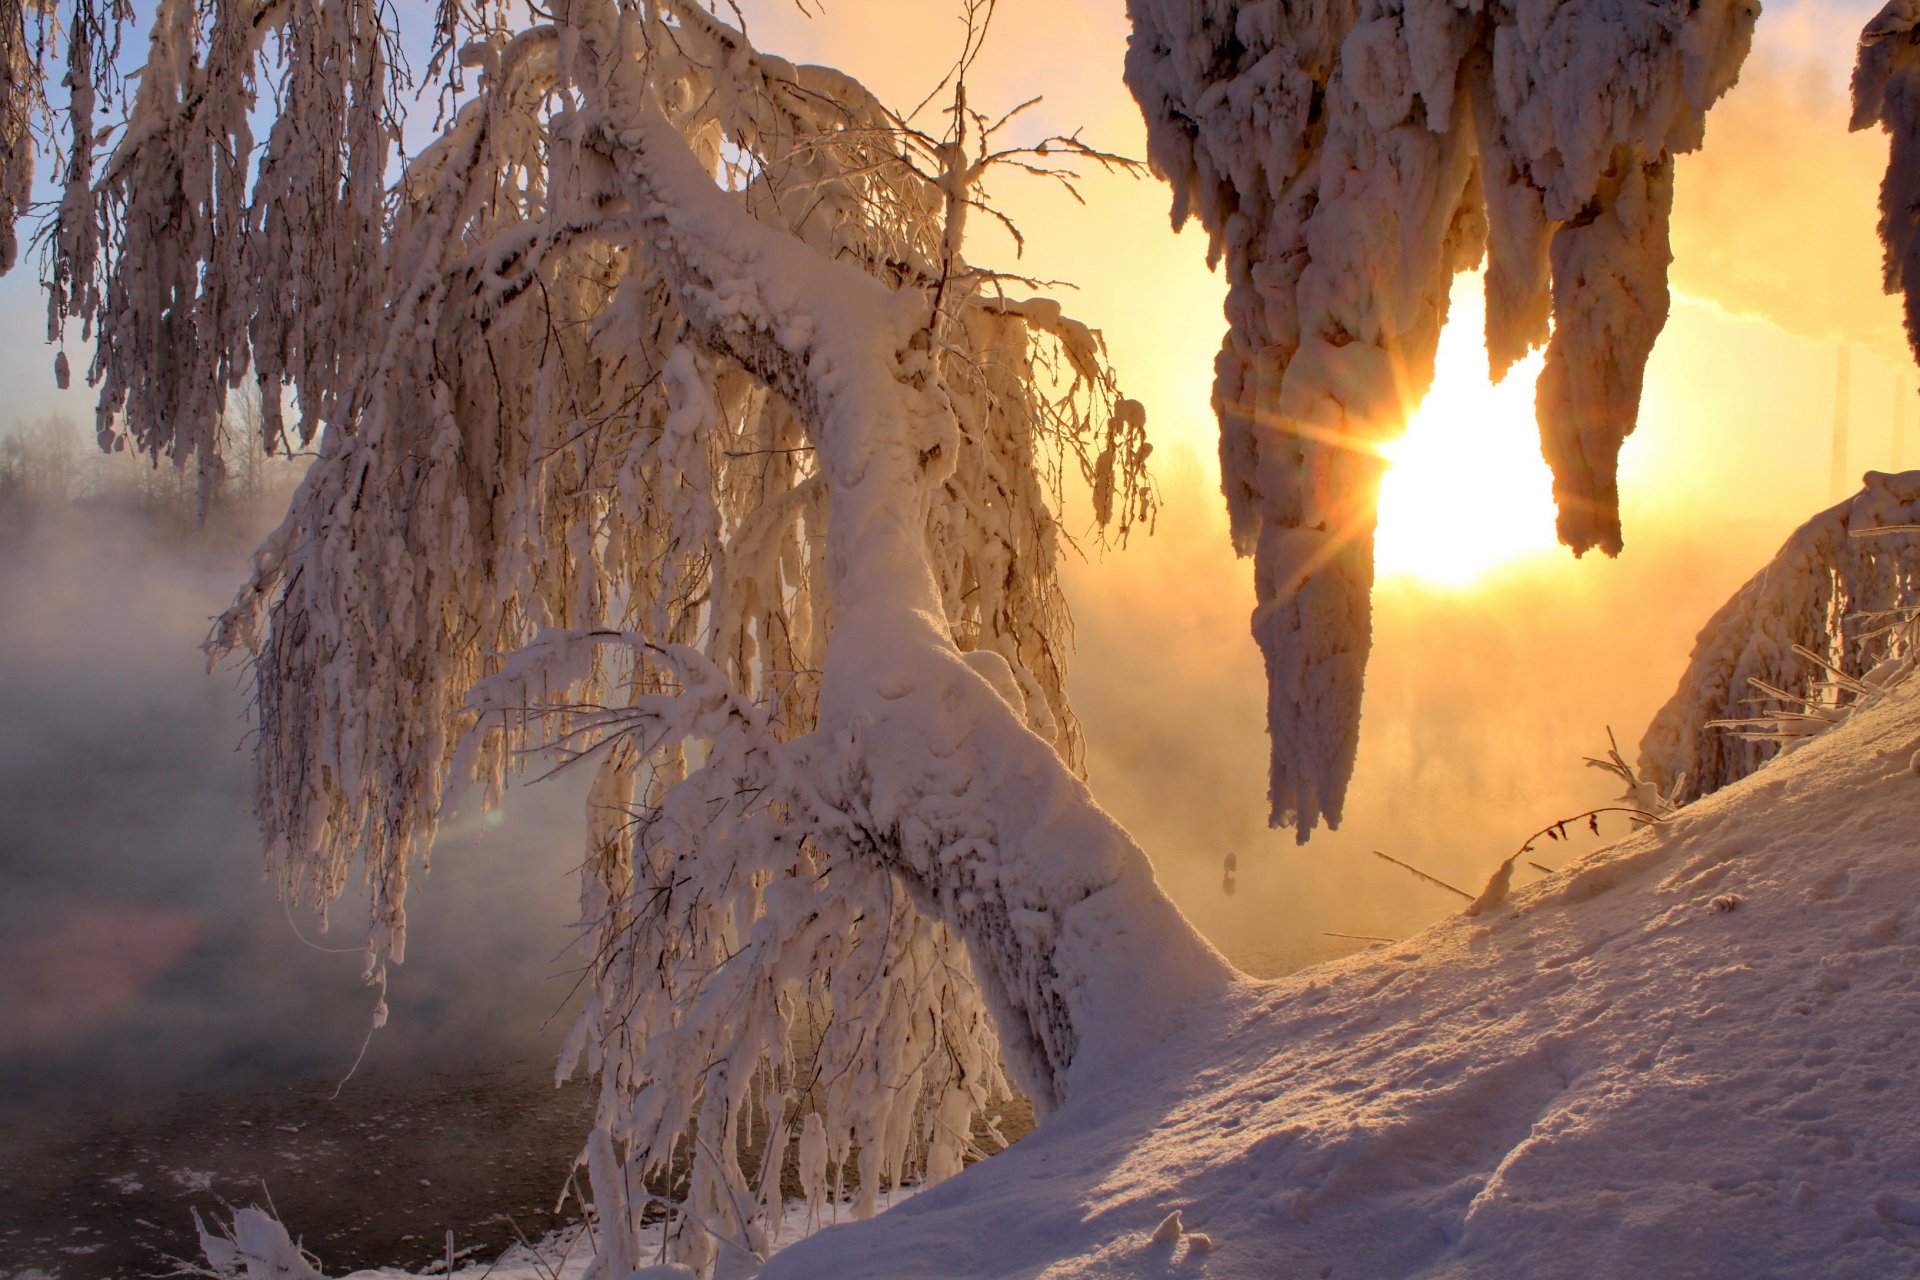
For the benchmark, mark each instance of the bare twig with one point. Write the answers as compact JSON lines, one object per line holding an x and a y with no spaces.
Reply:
{"x":1433,"y":880}
{"x":1500,"y":883}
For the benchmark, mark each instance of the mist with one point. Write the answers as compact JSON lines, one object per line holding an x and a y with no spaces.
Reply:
{"x":1776,"y":215}
{"x":1481,"y":706}
{"x":142,"y":950}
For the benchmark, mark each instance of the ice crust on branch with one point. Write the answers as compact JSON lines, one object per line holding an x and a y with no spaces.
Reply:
{"x":1347,"y":160}
{"x":661,"y":428}
{"x":1833,"y":598}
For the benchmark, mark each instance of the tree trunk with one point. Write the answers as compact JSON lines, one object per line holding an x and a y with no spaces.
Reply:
{"x":933,"y":771}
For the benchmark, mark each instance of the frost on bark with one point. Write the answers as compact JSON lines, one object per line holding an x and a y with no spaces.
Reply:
{"x":1347,"y":159}
{"x":1826,"y":607}
{"x":660,"y":426}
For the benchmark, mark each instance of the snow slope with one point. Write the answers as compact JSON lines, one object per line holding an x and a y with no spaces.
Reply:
{"x":1613,"y":1076}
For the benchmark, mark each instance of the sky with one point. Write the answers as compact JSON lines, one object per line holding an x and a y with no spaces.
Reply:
{"x":1487,"y":687}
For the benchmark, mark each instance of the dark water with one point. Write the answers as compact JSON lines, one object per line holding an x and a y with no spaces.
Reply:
{"x":167,"y":1038}
{"x":377,"y":1176}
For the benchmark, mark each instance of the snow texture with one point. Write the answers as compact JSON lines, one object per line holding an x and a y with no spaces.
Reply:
{"x":1829,"y":605}
{"x":1688,"y":1055}
{"x":1347,"y":160}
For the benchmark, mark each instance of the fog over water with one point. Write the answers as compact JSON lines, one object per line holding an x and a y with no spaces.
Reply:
{"x":167,"y":1037}
{"x":141,"y":949}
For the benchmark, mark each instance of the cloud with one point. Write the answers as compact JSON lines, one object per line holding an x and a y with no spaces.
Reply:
{"x":1777,"y":215}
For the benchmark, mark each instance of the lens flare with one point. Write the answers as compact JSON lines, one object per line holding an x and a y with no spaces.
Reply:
{"x":1466,"y":490}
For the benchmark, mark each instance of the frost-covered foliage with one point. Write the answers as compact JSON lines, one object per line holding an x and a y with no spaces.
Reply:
{"x":253,"y":1246}
{"x":19,"y":89}
{"x":1886,"y":92}
{"x":1347,"y":160}
{"x":660,"y":426}
{"x":1813,"y":636}
{"x":1640,"y":793}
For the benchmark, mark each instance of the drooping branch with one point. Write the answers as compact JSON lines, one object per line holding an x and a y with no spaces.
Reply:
{"x":1347,"y":160}
{"x":1886,"y":92}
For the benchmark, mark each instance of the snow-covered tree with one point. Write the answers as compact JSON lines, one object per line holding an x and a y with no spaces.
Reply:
{"x":1886,"y":92}
{"x":662,"y":425}
{"x":656,"y":371}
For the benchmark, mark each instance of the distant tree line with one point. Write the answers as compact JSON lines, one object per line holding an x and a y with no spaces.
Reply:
{"x":50,"y":463}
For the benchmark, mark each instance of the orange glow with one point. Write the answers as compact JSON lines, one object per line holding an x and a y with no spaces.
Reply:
{"x":1466,"y":490}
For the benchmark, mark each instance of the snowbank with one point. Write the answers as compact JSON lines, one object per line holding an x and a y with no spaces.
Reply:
{"x":1689,"y":1055}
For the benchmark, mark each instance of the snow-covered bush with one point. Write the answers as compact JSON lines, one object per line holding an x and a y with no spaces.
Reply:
{"x":1824,"y":629}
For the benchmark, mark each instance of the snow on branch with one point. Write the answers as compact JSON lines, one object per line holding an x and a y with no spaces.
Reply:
{"x":659,"y":429}
{"x":1808,"y":639}
{"x":1347,"y":159}
{"x":19,"y":97}
{"x":1886,"y":92}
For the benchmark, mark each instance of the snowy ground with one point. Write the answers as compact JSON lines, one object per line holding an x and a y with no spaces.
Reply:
{"x":254,"y":1245}
{"x":1689,"y":1055}
{"x":1617,"y":1076}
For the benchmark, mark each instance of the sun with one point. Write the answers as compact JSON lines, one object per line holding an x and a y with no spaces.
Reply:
{"x":1466,"y":490}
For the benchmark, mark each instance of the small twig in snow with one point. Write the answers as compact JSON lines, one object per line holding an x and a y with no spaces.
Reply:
{"x":1501,"y":882}
{"x":1433,"y":880}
